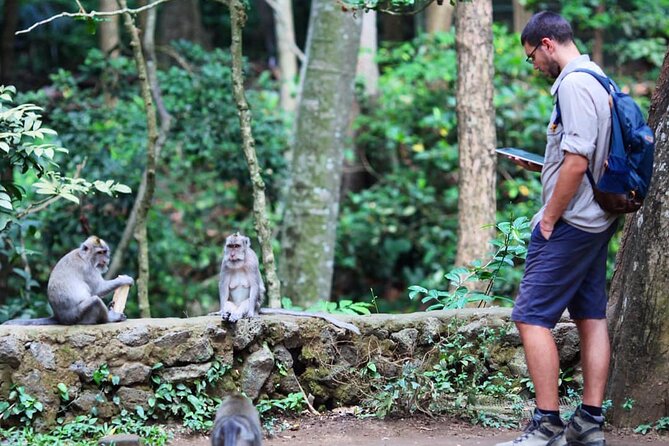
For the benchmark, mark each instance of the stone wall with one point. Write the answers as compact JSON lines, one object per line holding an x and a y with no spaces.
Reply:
{"x":267,"y":356}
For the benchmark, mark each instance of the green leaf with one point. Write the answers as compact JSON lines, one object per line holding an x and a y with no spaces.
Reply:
{"x":70,"y":197}
{"x":122,"y":189}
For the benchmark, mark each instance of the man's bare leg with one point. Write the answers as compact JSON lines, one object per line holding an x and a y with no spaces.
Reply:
{"x":543,"y":363}
{"x":595,"y":357}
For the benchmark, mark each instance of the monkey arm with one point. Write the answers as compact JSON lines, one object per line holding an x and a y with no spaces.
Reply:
{"x":326,"y":317}
{"x":104,"y":287}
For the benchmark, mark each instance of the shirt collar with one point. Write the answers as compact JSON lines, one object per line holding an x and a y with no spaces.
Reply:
{"x":573,"y":64}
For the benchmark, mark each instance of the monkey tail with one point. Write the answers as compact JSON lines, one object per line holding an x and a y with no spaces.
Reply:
{"x":39,"y":321}
{"x":327,"y":317}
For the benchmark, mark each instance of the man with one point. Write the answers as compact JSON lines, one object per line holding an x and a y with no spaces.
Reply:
{"x":566,"y":260}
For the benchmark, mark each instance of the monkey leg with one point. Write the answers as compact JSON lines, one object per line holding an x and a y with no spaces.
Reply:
{"x":244,"y":310}
{"x":93,"y":310}
{"x":228,"y":309}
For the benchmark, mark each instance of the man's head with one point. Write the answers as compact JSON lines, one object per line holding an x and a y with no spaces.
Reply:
{"x":549,"y":42}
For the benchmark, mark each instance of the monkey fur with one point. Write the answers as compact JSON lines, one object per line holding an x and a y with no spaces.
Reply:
{"x":237,"y":423}
{"x":241,"y":288}
{"x":76,"y":285}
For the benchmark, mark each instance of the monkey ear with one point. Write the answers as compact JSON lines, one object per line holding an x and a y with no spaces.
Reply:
{"x":84,"y":247}
{"x":247,"y":241}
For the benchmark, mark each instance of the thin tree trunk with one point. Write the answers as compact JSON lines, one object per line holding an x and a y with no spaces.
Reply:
{"x":183,"y":20}
{"x":520,"y":16}
{"x":639,"y":301}
{"x":439,"y":18}
{"x":108,"y":31}
{"x":262,"y":225}
{"x":476,"y":130}
{"x":165,"y":124}
{"x":285,"y":40}
{"x":152,"y":129}
{"x":367,"y":68}
{"x":312,"y":203}
{"x":11,"y":17}
{"x":10,"y":14}
{"x":598,"y":39}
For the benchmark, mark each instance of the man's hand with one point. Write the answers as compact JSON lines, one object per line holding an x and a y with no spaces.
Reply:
{"x":525,"y":164}
{"x":546,"y":228}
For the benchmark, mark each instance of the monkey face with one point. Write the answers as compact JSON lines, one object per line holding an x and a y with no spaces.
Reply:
{"x":96,"y":251}
{"x":235,"y":249}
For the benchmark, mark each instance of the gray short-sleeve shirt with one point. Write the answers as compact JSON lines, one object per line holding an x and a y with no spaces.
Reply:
{"x":585,"y":130}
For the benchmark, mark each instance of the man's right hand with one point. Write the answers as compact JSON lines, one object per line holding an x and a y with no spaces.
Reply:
{"x":525,"y":164}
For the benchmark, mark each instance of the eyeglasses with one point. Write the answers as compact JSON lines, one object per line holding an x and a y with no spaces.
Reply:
{"x":530,"y":58}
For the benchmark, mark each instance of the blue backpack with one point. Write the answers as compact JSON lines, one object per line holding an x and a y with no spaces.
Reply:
{"x":629,"y":164}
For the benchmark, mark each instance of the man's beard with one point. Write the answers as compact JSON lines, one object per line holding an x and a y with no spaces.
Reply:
{"x":553,"y":70}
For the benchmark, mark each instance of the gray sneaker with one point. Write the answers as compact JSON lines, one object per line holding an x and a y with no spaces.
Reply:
{"x":542,"y":430}
{"x":584,"y":429}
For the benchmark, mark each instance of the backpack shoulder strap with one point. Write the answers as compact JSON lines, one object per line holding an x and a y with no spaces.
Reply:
{"x":608,"y":84}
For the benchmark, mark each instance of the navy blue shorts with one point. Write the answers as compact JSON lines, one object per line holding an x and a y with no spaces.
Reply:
{"x":566,"y":271}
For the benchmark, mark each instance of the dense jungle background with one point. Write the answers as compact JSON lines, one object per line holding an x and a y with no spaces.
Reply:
{"x":397,"y":222}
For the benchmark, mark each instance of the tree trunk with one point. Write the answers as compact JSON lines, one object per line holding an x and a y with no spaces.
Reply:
{"x":109,"y":30}
{"x":165,"y":125}
{"x":262,"y":225}
{"x":520,"y":16}
{"x":476,"y":130}
{"x":312,"y":204}
{"x":598,"y":39}
{"x":10,"y":14}
{"x":639,"y":301}
{"x":183,"y":20}
{"x":367,"y":67}
{"x":439,"y":18}
{"x":145,"y":204}
{"x":286,"y":52}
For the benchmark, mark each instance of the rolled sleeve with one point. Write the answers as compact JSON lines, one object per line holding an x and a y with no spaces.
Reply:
{"x":579,"y":116}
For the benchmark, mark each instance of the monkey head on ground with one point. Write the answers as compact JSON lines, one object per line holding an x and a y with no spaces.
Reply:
{"x":237,"y":423}
{"x":76,"y":285}
{"x":241,"y":288}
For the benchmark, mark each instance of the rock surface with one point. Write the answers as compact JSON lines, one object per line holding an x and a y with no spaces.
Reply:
{"x":267,"y":357}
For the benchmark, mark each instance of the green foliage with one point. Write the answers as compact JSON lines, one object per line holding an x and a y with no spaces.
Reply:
{"x":29,"y":147}
{"x":628,"y":404}
{"x":85,"y":430}
{"x":633,"y":31}
{"x":20,"y":405}
{"x":203,"y":188}
{"x":343,"y":306}
{"x":293,"y":403}
{"x":403,"y":229}
{"x":190,"y":402}
{"x":460,"y":382}
{"x":509,"y":248}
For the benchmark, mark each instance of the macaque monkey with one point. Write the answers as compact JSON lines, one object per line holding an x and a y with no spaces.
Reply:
{"x":75,"y":286}
{"x":241,"y":289}
{"x":237,"y":423}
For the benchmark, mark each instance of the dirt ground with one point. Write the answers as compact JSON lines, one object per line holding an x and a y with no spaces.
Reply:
{"x":346,"y":430}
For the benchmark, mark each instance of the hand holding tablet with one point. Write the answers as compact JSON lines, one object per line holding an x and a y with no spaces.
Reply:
{"x":528,"y":160}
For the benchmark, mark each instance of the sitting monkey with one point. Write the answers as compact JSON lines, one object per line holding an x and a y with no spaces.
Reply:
{"x":75,"y":286}
{"x":237,"y":423}
{"x":241,"y":288}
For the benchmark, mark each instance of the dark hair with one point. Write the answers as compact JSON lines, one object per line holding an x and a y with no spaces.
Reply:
{"x":546,"y":24}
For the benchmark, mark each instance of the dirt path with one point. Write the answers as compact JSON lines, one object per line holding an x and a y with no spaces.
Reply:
{"x":350,"y":431}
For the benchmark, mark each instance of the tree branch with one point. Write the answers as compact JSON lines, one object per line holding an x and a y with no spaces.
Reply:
{"x":150,"y":171}
{"x":262,"y":225}
{"x":92,"y":14}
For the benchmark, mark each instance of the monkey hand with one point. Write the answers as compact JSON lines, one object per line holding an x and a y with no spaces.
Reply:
{"x":234,"y":316}
{"x":125,"y":280}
